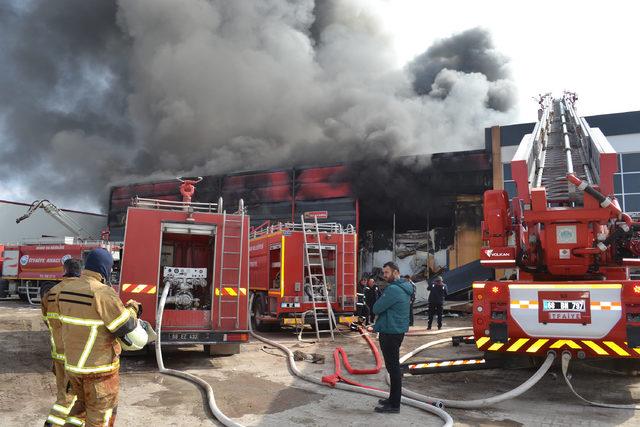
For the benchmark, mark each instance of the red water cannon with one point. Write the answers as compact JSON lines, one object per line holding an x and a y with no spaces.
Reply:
{"x":188,"y":188}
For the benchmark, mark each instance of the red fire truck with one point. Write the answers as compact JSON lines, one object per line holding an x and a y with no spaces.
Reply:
{"x":37,"y":263}
{"x":570,"y":242}
{"x":202,"y":253}
{"x":293,"y":266}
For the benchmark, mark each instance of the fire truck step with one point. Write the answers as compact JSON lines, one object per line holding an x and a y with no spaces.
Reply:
{"x":450,"y":365}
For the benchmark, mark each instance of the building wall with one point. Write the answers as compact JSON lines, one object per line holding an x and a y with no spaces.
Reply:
{"x":42,"y":224}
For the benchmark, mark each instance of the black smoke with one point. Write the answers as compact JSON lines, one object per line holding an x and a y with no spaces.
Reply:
{"x":436,"y":71}
{"x":102,"y":93}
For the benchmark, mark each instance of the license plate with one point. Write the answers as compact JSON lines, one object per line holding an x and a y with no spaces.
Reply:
{"x":564,"y":307}
{"x":555,"y":305}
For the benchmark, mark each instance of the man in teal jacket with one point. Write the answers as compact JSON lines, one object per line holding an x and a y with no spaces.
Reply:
{"x":392,"y":309}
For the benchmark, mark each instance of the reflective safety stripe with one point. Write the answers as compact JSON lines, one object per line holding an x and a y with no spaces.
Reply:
{"x":65,"y":410}
{"x":138,"y":289}
{"x":481,"y":341}
{"x":535,"y":347}
{"x":152,"y":290}
{"x":107,"y":416}
{"x":615,"y":347}
{"x":560,"y":343}
{"x":75,"y":421}
{"x":478,"y":286}
{"x":495,"y":346}
{"x":595,"y":347}
{"x":566,"y":286}
{"x":515,"y":346}
{"x":88,"y":346}
{"x":119,"y":321}
{"x":55,"y":420}
{"x":80,"y":322}
{"x":92,"y":370}
{"x":54,"y":351}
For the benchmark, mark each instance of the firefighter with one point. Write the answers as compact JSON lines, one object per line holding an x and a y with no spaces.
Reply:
{"x":93,"y":321}
{"x":64,"y":394}
{"x":436,"y":300}
{"x":362,"y":310}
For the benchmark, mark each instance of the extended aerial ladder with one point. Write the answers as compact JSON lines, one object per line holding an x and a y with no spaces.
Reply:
{"x":65,"y":220}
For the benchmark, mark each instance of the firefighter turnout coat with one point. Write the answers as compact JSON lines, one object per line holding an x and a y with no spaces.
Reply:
{"x":90,"y":314}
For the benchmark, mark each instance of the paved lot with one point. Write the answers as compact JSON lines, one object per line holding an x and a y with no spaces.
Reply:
{"x":255,"y":387}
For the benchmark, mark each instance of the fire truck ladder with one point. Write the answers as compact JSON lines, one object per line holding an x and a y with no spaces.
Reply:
{"x":317,"y":279}
{"x":229,"y":227}
{"x":348,"y":264}
{"x":562,"y":152}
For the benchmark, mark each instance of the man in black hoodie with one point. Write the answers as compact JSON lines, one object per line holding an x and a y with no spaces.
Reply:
{"x":436,"y":300}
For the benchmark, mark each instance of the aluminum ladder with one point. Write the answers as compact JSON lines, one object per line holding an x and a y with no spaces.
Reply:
{"x":230,"y":225}
{"x":317,"y":280}
{"x":349,"y":273}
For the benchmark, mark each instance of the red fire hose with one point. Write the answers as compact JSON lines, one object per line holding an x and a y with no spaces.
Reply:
{"x":340,"y":357}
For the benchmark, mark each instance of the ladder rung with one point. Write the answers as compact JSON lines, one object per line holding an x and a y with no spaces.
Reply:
{"x":228,"y":318}
{"x":231,"y":237}
{"x":232,"y":253}
{"x":229,"y":268}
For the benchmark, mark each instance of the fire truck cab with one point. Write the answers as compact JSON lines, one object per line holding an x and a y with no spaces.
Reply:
{"x":283,"y":273}
{"x":201,"y":253}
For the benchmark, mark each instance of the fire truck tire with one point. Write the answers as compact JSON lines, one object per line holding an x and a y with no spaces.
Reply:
{"x":4,"y":288}
{"x":226,"y":349}
{"x":46,"y":287}
{"x":256,"y":323}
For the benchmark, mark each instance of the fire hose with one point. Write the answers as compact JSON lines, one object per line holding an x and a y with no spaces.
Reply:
{"x":478,"y":403}
{"x":211,"y":401}
{"x":566,"y":358}
{"x":448,"y":421}
{"x":339,"y":355}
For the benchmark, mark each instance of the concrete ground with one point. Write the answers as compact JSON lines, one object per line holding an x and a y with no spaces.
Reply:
{"x":256,"y":389}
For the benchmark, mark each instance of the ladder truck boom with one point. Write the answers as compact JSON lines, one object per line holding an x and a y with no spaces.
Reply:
{"x":570,"y":244}
{"x":65,"y":220}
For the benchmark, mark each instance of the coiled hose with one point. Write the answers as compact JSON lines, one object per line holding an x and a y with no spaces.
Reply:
{"x":448,"y":421}
{"x":211,"y":401}
{"x":478,"y":403}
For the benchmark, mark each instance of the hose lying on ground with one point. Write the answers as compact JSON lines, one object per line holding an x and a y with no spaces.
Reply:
{"x":566,"y":358}
{"x":211,"y":401}
{"x":340,"y":355}
{"x":478,"y":403}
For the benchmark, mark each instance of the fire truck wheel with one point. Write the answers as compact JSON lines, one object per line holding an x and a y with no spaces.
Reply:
{"x":46,"y":287}
{"x":4,"y":288}
{"x":256,"y":323}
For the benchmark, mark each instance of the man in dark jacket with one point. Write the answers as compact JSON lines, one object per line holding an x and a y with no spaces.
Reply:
{"x":371,"y":294}
{"x":392,"y":309}
{"x":413,"y":298}
{"x":436,"y":300}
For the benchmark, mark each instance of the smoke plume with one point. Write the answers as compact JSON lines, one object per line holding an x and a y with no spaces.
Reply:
{"x":97,"y":94}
